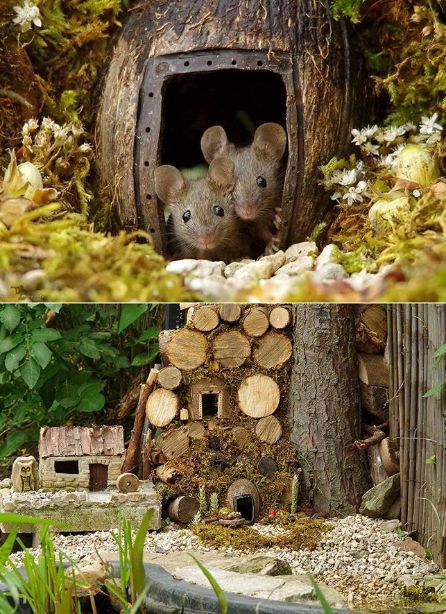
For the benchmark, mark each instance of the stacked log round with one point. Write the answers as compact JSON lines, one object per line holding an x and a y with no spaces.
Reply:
{"x":203,"y":318}
{"x":184,"y":348}
{"x":170,"y":378}
{"x":230,"y":312}
{"x":231,"y":348}
{"x":241,"y":436}
{"x":269,"y":429}
{"x":175,"y":443}
{"x":127,"y":482}
{"x":256,"y":322}
{"x":162,"y":407}
{"x":273,"y":351}
{"x":258,"y":396}
{"x":280,"y":317}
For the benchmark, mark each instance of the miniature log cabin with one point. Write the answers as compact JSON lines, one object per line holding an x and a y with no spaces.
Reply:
{"x":80,"y":457}
{"x":178,"y":68}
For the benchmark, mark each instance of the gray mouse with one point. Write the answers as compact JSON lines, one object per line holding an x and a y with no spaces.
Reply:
{"x":203,"y":222}
{"x":259,"y":185}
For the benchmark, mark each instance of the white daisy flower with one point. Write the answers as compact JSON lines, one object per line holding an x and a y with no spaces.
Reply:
{"x":336,"y":196}
{"x":358,"y":137}
{"x":429,"y":126}
{"x":392,"y":134}
{"x":371,"y":149}
{"x":416,"y":193}
{"x":27,"y":15}
{"x":370,"y":131}
{"x":353,"y":194}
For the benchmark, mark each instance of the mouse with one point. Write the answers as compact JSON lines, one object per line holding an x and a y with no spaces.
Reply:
{"x":203,"y":222}
{"x":259,"y":179}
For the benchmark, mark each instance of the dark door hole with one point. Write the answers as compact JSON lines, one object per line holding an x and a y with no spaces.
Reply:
{"x":71,"y":466}
{"x":209,"y":404}
{"x":238,"y":100}
{"x":245,"y":505}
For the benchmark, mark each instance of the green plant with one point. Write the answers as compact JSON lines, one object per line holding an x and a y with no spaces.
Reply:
{"x":57,"y":362}
{"x":347,"y":8}
{"x":215,"y":586}
{"x":294,"y":493}
{"x":132,"y":586}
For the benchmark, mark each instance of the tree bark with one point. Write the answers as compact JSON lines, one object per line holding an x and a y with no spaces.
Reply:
{"x":324,"y":407}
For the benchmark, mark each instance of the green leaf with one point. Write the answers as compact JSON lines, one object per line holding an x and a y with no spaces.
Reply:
{"x":16,"y":440}
{"x":7,"y":547}
{"x":10,"y":342}
{"x":434,"y":390}
{"x":45,"y":334}
{"x":10,"y":317}
{"x":142,"y":359}
{"x":441,"y":351}
{"x":215,"y":586}
{"x":41,"y":353}
{"x":137,"y":553}
{"x":56,"y":307}
{"x":89,"y":348}
{"x":327,"y":609}
{"x":30,"y":372}
{"x":130,"y":313}
{"x":15,"y":357}
{"x":11,"y":518}
{"x":150,"y":333}
{"x":92,"y":401}
{"x":431,"y":460}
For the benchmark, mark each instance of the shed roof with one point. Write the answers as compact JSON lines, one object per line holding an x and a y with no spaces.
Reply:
{"x":81,"y":441}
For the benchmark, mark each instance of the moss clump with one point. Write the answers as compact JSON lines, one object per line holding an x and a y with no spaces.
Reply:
{"x":298,"y":536}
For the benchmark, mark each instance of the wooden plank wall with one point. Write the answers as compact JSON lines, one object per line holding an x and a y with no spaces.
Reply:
{"x":416,"y":331}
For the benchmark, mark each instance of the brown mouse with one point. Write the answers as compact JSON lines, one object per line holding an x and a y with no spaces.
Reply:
{"x":203,"y":220}
{"x":258,"y":189}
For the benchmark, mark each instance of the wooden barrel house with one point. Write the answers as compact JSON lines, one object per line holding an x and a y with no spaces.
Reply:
{"x":178,"y":68}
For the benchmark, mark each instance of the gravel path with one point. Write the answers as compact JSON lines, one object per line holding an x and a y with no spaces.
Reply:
{"x":357,"y":557}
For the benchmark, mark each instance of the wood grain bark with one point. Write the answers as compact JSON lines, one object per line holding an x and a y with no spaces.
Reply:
{"x":324,"y":407}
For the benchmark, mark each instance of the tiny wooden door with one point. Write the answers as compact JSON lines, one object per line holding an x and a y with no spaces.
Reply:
{"x":98,"y":476}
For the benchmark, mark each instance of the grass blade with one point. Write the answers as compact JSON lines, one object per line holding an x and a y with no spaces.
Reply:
{"x":215,"y":586}
{"x":321,"y":597}
{"x":138,"y":571}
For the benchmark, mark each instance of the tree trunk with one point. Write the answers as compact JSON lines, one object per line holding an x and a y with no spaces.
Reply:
{"x":324,"y":407}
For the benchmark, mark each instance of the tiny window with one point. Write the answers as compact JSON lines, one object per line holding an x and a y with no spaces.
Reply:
{"x":69,"y":466}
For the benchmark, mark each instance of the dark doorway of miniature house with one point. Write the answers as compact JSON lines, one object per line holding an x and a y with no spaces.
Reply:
{"x":98,"y":476}
{"x":238,"y":100}
{"x":210,"y":404}
{"x":244,"y":504}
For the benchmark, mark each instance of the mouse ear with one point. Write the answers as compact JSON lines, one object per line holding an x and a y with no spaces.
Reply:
{"x":221,"y":173}
{"x":270,"y":141}
{"x":169,"y":183}
{"x":214,"y":143}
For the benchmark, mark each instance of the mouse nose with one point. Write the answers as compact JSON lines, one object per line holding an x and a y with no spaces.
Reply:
{"x":246,"y":210}
{"x":206,"y":240}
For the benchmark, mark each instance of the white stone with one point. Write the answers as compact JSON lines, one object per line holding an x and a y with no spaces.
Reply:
{"x":231,"y":268}
{"x":214,"y":287}
{"x":297,"y":267}
{"x":276,"y":260}
{"x":200,"y":268}
{"x":330,"y":271}
{"x":296,"y":251}
{"x":182,"y":267}
{"x":329,"y":254}
{"x":261,"y":269}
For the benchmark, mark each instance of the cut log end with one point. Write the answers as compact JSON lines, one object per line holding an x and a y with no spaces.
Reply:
{"x":127,"y":482}
{"x":183,"y":509}
{"x":256,"y":322}
{"x":230,"y":312}
{"x":258,"y":396}
{"x":273,"y":351}
{"x":162,"y":407}
{"x":170,"y":378}
{"x":231,"y":349}
{"x":269,"y":430}
{"x":186,"y":349}
{"x":280,"y":317}
{"x":175,"y":443}
{"x":203,"y":318}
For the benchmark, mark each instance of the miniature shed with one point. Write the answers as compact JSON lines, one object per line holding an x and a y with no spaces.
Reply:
{"x":178,"y":68}
{"x":80,"y":457}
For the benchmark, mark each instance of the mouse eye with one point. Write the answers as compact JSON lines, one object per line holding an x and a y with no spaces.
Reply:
{"x":186,"y":216}
{"x":218,"y":210}
{"x":261,"y":181}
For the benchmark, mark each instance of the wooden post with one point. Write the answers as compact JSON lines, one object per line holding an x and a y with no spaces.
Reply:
{"x":131,"y":460}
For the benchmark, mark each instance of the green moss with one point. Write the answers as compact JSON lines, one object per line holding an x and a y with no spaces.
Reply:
{"x":298,"y":536}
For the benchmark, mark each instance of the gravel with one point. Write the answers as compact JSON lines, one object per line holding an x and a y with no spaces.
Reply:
{"x":357,"y":557}
{"x":275,"y":276}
